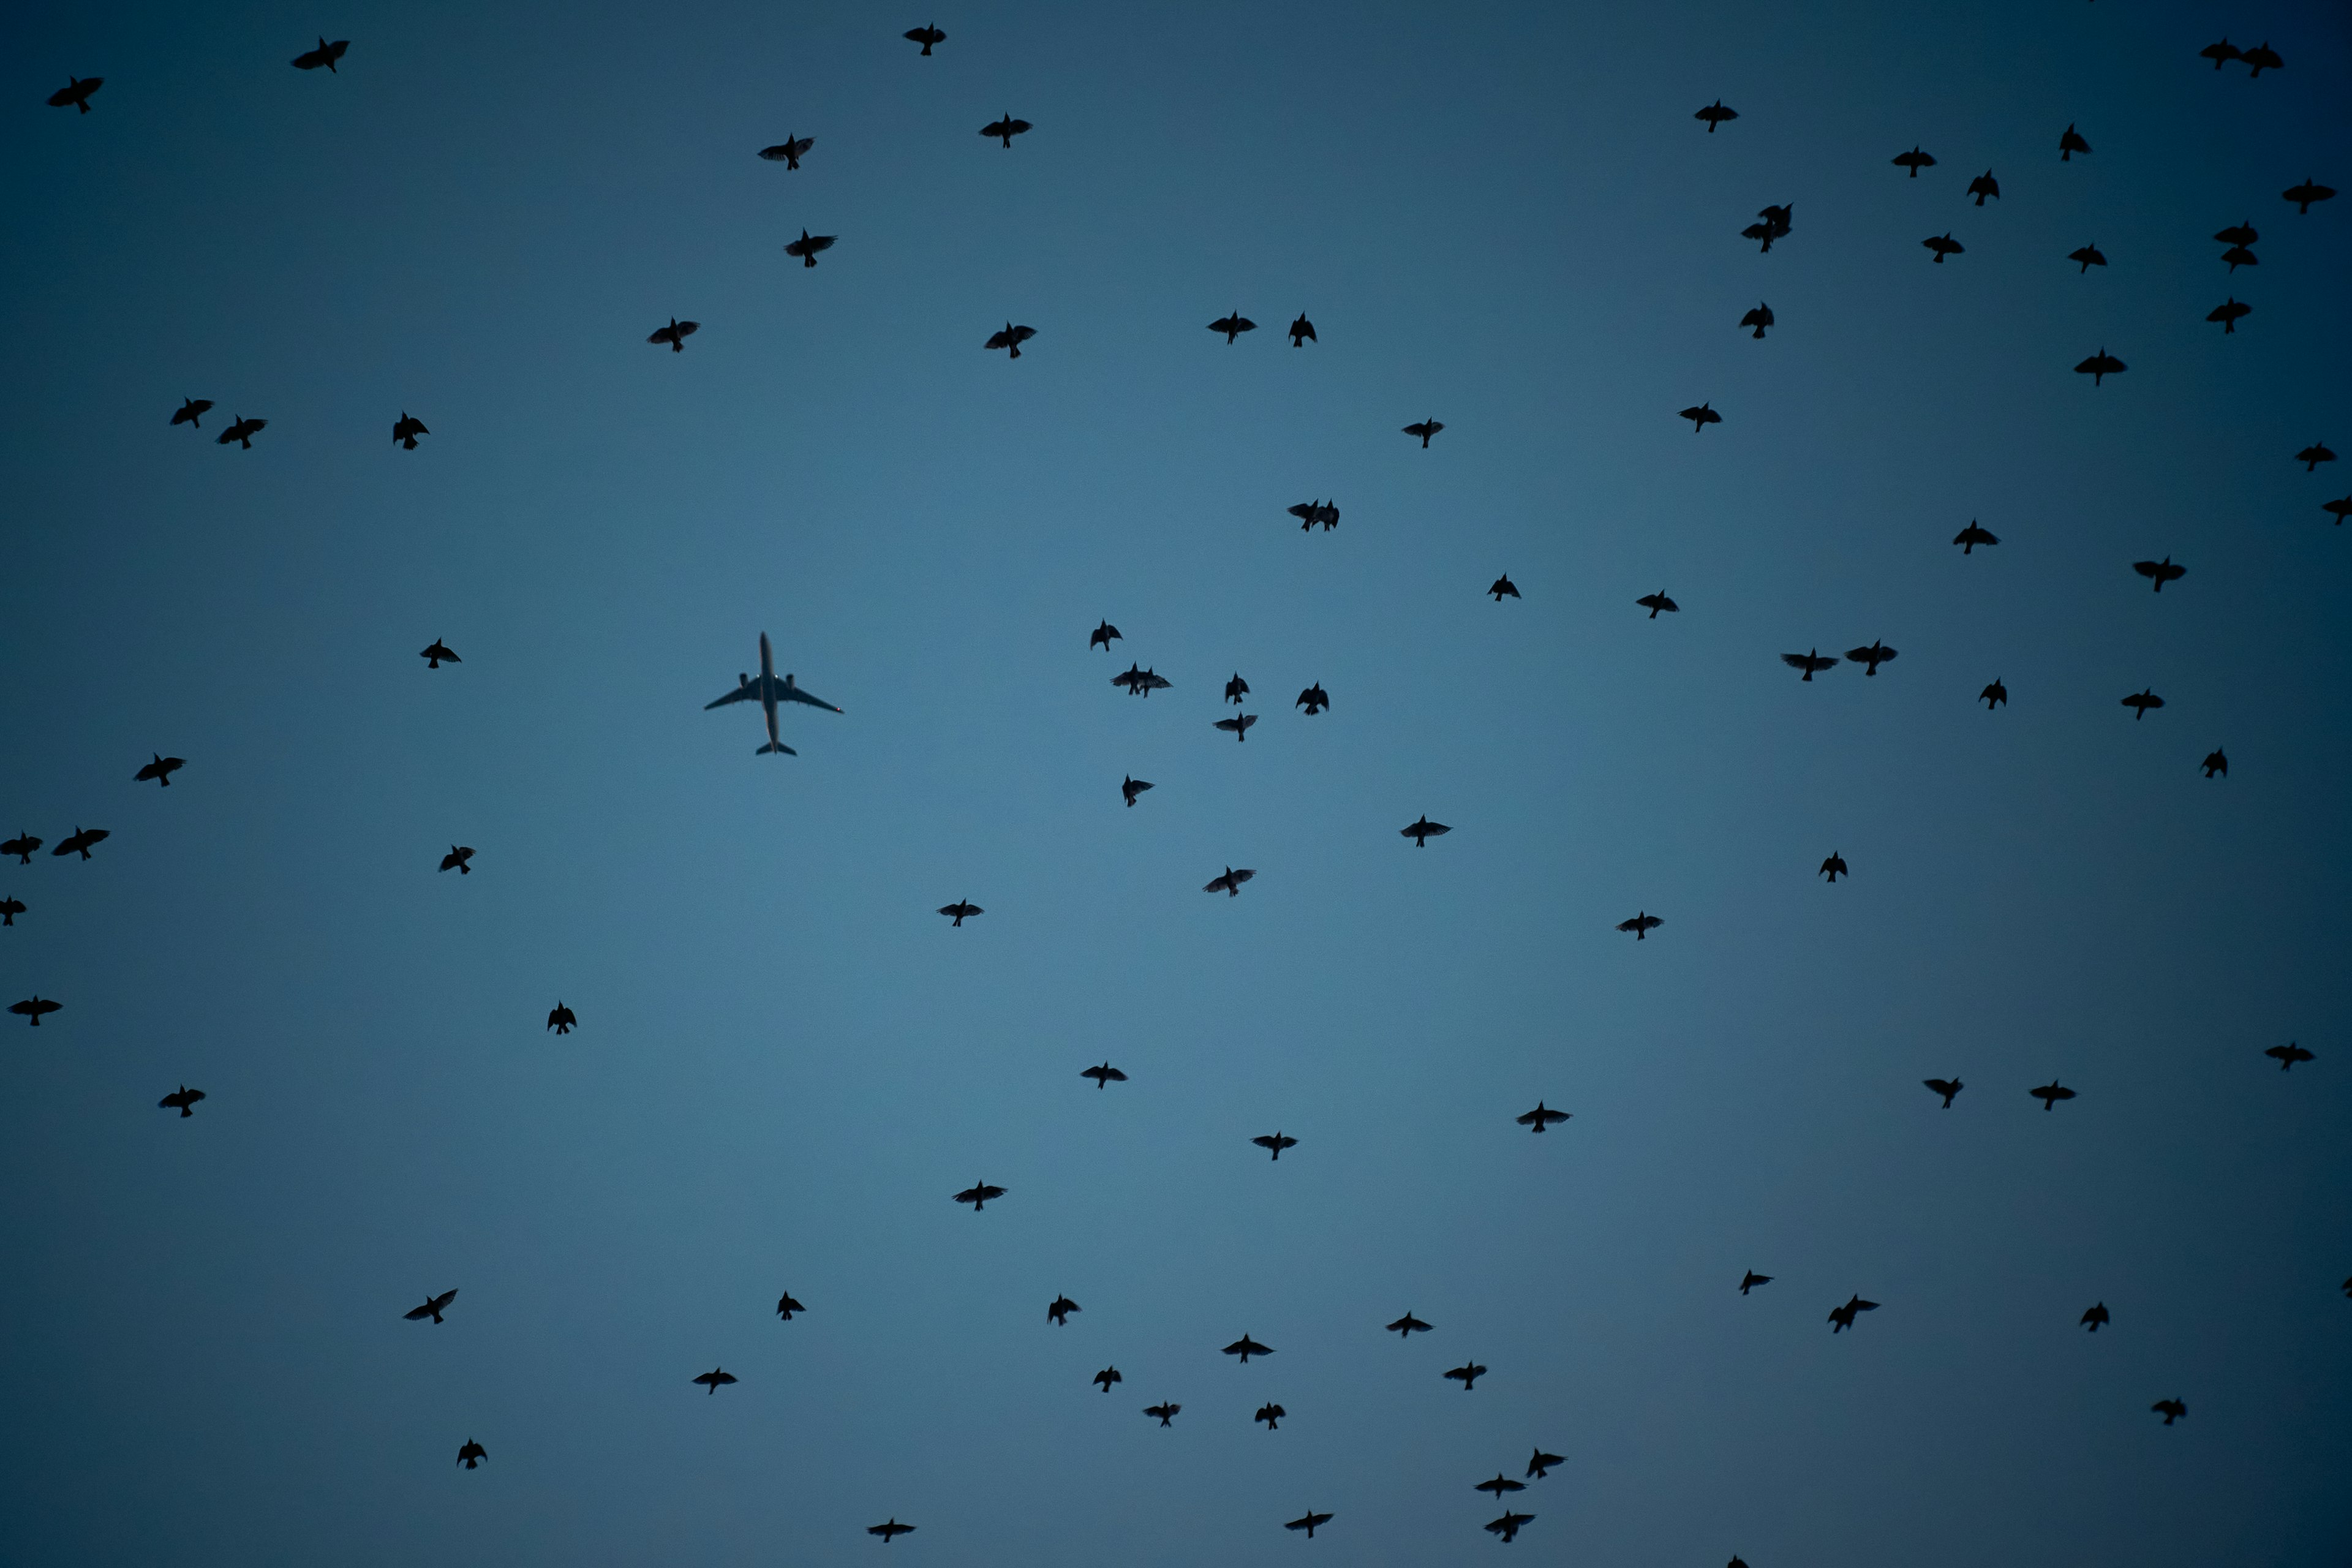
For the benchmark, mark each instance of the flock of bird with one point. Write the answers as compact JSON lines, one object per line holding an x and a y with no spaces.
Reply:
{"x":1775,"y":223}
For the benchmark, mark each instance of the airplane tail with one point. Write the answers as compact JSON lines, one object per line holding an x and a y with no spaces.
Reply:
{"x":775,"y":746}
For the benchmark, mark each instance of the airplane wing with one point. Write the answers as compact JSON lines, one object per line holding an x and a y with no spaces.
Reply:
{"x":797,"y":694}
{"x":740,"y":694}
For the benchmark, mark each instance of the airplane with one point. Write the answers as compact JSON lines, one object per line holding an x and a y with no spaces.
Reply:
{"x":79,"y":840}
{"x":2287,"y":1055}
{"x":180,"y":1099}
{"x":1423,"y":831}
{"x":1106,"y":1377}
{"x":890,"y":1528}
{"x":1540,"y":1466}
{"x":1641,"y":925}
{"x":1842,"y":1318}
{"x":1508,"y":1527}
{"x":978,"y":1194}
{"x":1246,"y":1347}
{"x":1307,"y":1521}
{"x":431,"y":1309}
{"x":32,"y":1007}
{"x":1467,"y":1375}
{"x":472,"y":1454}
{"x":10,"y":908}
{"x":161,"y":770}
{"x":788,"y":151}
{"x":1277,"y":1141}
{"x":1500,"y":1485}
{"x":1165,"y":1411}
{"x":562,"y":1019}
{"x":786,"y":1305}
{"x":2096,"y":1318}
{"x":714,"y":1377}
{"x":1104,"y":1076}
{"x":1407,"y":1326}
{"x":439,"y":654}
{"x":1749,"y":1279}
{"x":1542,"y":1116}
{"x":1946,"y":1087}
{"x":1059,"y":1310}
{"x":767,"y":692}
{"x":2051,"y":1093}
{"x":1270,"y":1414}
{"x":1968,"y":538}
{"x":405,"y":430}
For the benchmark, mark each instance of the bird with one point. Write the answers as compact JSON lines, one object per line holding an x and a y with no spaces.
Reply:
{"x":2262,"y":58}
{"x":1715,"y":114}
{"x":1701,"y":418}
{"x":2215,"y":762}
{"x":326,"y":55}
{"x":21,"y":847}
{"x":1238,"y":726}
{"x":1246,"y":1347}
{"x":1270,"y":1414}
{"x":2240,"y":233}
{"x":806,"y":247}
{"x":1467,"y":1375}
{"x":1010,"y":339}
{"x":2090,"y":256}
{"x":1104,"y":1076}
{"x":192,"y":411}
{"x":31,"y":1008}
{"x":1759,"y":317}
{"x":1762,"y":232}
{"x":1102,"y":637}
{"x":1641,"y":925}
{"x":1005,"y":128}
{"x":1404,"y":1328}
{"x":2070,"y":143}
{"x":2096,"y":1318}
{"x":2238,"y":256}
{"x":2051,"y":1093}
{"x":1314,"y":700}
{"x":1984,"y":185}
{"x":1130,"y":787}
{"x":562,"y":1019}
{"x":2162,"y":572}
{"x":1230,"y":883}
{"x":432,"y":1309}
{"x":787,"y":1304}
{"x":1502,"y":586}
{"x":675,"y":334}
{"x":1833,"y":868}
{"x":1424,"y":429}
{"x":1106,"y":1377}
{"x":2310,"y":456}
{"x":1500,"y":1485}
{"x":1993,"y":696}
{"x":2171,"y":1409}
{"x":242,"y":431}
{"x":2220,"y":53}
{"x":2100,"y":366}
{"x":1508,"y":1527}
{"x":1542,"y":1116}
{"x":1946,"y":1087}
{"x":1811,"y":662}
{"x":2339,"y":509}
{"x":1233,"y":326}
{"x":1236,"y":689}
{"x":1167,"y":1413}
{"x":1944,"y":245}
{"x":1541,"y":1465}
{"x":1658,"y":601}
{"x":180,"y":1099}
{"x":2230,"y":312}
{"x":2141,"y":701}
{"x":1422,"y":830}
{"x":161,"y":770}
{"x":1302,"y":332}
{"x":787,"y":151}
{"x":439,"y":654}
{"x":1274,"y":1142}
{"x":2287,"y":1055}
{"x":10,"y":908}
{"x":1307,"y":1521}
{"x":1058,"y":1310}
{"x":76,"y":91}
{"x":977,"y":1196}
{"x":1968,"y":538}
{"x":406,"y":429}
{"x":1310,"y":512}
{"x":472,"y":1455}
{"x":925,"y":35}
{"x":80,"y":840}
{"x":1140,"y":682}
{"x":1915,"y":161}
{"x":2304,"y":194}
{"x":961,"y":908}
{"x":1777,"y":221}
{"x":1871,"y":658}
{"x":1842,"y":1318}
{"x":458,"y":856}
{"x":890,"y":1529}
{"x":1749,"y":1279}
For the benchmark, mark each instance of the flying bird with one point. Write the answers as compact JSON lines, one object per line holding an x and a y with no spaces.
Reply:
{"x":1833,"y":868}
{"x":1310,"y":512}
{"x":1230,"y":883}
{"x":458,"y":856}
{"x":1500,"y":1485}
{"x":1246,"y":1347}
{"x":1541,"y":1465}
{"x":182,"y":1097}
{"x":2141,"y":701}
{"x":562,"y":1019}
{"x":787,"y":1304}
{"x":961,"y":908}
{"x":1542,"y":1116}
{"x":326,"y":55}
{"x":21,"y":847}
{"x":80,"y":840}
{"x":1102,"y":637}
{"x":76,"y":91}
{"x":472,"y":1455}
{"x":2221,"y":52}
{"x":1467,"y":1375}
{"x":1314,"y":700}
{"x":1005,"y":128}
{"x":1968,"y":538}
{"x":1424,"y":429}
{"x":1233,"y":326}
{"x":2090,"y":256}
{"x":2260,"y":58}
{"x":2339,"y":509}
{"x":1302,"y":332}
{"x":2096,"y":1318}
{"x":1274,"y":1142}
{"x":2071,"y":142}
{"x":1236,"y":689}
{"x":439,"y":654}
{"x":1270,"y":1414}
{"x":1993,"y":696}
{"x":1811,"y":662}
{"x":2051,"y":1093}
{"x":406,"y":429}
{"x":2240,"y":233}
{"x":890,"y":1528}
{"x":1759,"y":317}
{"x":1946,"y":1087}
{"x":675,"y":334}
{"x":192,"y":411}
{"x":806,"y":247}
{"x":1104,"y":1076}
{"x":2304,"y":194}
{"x":925,"y":36}
{"x":1658,"y":601}
{"x":32,"y":1007}
{"x":1701,"y":418}
{"x":1238,"y":726}
{"x":1422,"y":830}
{"x":1058,"y":1310}
{"x":2100,"y":366}
{"x":2215,"y":762}
{"x":788,"y":151}
{"x":1404,"y":1328}
{"x":1777,"y":220}
{"x":1167,"y":1413}
{"x":1508,"y":1527}
{"x":2230,"y":312}
{"x":1130,"y":787}
{"x":2310,"y":456}
{"x":978,"y":1194}
{"x":1944,"y":245}
{"x":1106,"y":1377}
{"x":2162,"y":572}
{"x":1140,"y":682}
{"x":1915,"y":161}
{"x":2171,"y":1409}
{"x":1307,"y":1521}
{"x":1842,"y":1318}
{"x":161,"y":770}
{"x":1985,"y":186}
{"x":1876,"y":654}
{"x":10,"y":908}
{"x":1715,"y":114}
{"x":1010,"y":339}
{"x":1751,"y":1279}
{"x":2238,"y":256}
{"x":1502,"y":586}
{"x":242,"y":431}
{"x":431,"y":1309}
{"x":2287,"y":1055}
{"x":1641,"y":925}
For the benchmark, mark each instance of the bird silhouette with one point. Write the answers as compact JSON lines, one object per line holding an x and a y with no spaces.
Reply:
{"x":1005,"y":128}
{"x":1984,"y":185}
{"x":2070,"y":143}
{"x":161,"y":770}
{"x":1236,"y":689}
{"x":787,"y":1304}
{"x":2242,"y":233}
{"x":2101,"y":365}
{"x":2096,"y":1318}
{"x":1811,"y":662}
{"x":1777,"y":221}
{"x":1104,"y":1076}
{"x":1424,"y":429}
{"x":1641,"y":925}
{"x":2051,"y":1093}
{"x":407,"y":429}
{"x":326,"y":55}
{"x":433,"y":1308}
{"x":1871,"y":658}
{"x":1508,"y":1527}
{"x":1233,"y":324}
{"x":1106,"y":1377}
{"x":2215,"y":762}
{"x":1422,"y":831}
{"x":2238,"y":256}
{"x":1274,"y":1142}
{"x":33,"y":1008}
{"x":1308,"y":1522}
{"x":192,"y":411}
{"x":2260,"y":58}
{"x":2140,"y":702}
{"x":1842,"y":1318}
{"x":1946,"y":1087}
{"x":1759,"y":317}
{"x":80,"y":840}
{"x":1701,"y":418}
{"x":22,"y":848}
{"x":1968,"y":538}
{"x":1751,"y":1279}
{"x":1993,"y":696}
{"x":1314,"y":700}
{"x":1542,"y":1116}
{"x":2304,"y":194}
{"x":2220,"y":54}
{"x":1302,"y":332}
{"x":183,"y":1098}
{"x":562,"y":1019}
{"x":2171,"y":1409}
{"x":1246,"y":1347}
{"x":1404,"y":1328}
{"x":1140,"y":682}
{"x":807,"y":246}
{"x":460,"y":855}
{"x":1310,"y":512}
{"x":1944,"y":245}
{"x":977,"y":1196}
{"x":675,"y":334}
{"x":1467,"y":1375}
{"x":2160,"y":572}
{"x":1658,"y":601}
{"x":1058,"y":1310}
{"x":1129,"y":787}
{"x":1500,"y":1485}
{"x":1834,"y":867}
{"x":890,"y":1529}
{"x":1715,"y":114}
{"x":1503,"y":586}
{"x":1010,"y":339}
{"x":1915,"y":161}
{"x":439,"y":654}
{"x":1272,"y":1415}
{"x":788,"y":151}
{"x":2287,"y":1055}
{"x":1541,"y":1465}
{"x":1167,"y":1413}
{"x":2338,"y":508}
{"x":1102,"y":637}
{"x":472,"y":1455}
{"x":10,"y":908}
{"x":1237,"y":726}
{"x":1229,"y":883}
{"x":961,"y":908}
{"x":242,"y":431}
{"x":76,"y":91}
{"x":2090,"y":256}
{"x":925,"y":36}
{"x":2230,"y":312}
{"x":2310,"y":456}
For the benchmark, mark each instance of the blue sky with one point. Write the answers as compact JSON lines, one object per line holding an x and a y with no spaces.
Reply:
{"x":1502,"y":217}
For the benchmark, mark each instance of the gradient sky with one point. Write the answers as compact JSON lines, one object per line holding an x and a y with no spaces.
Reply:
{"x":1504,"y":217}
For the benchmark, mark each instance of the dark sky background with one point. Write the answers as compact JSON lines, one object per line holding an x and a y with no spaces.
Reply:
{"x":1501,"y":216}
